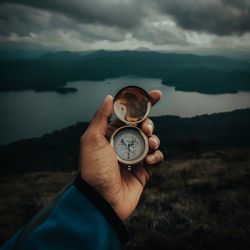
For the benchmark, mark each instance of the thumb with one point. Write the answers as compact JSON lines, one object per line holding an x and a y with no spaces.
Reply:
{"x":99,"y":122}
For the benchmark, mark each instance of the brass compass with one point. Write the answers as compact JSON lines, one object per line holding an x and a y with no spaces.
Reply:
{"x":132,"y":105}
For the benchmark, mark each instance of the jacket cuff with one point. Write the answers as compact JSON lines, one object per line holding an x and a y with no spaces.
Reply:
{"x":103,"y":206}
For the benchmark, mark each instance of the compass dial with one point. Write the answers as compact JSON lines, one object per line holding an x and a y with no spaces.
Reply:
{"x":130,"y":145}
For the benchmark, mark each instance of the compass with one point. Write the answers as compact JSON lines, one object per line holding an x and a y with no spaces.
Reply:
{"x":131,"y":105}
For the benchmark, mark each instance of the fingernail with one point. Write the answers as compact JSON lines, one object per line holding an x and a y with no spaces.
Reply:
{"x":108,"y":98}
{"x":151,"y":157}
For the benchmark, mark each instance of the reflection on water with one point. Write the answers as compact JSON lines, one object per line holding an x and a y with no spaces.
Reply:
{"x":27,"y":114}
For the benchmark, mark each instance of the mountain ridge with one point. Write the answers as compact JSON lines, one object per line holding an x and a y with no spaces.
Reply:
{"x":52,"y":71}
{"x":59,"y":149}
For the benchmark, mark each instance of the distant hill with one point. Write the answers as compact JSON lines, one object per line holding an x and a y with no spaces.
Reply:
{"x":18,"y":54}
{"x":168,"y":60}
{"x":179,"y":136}
{"x":63,"y":56}
{"x":187,"y":72}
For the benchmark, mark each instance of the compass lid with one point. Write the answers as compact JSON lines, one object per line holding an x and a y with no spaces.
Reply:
{"x":132,"y":105}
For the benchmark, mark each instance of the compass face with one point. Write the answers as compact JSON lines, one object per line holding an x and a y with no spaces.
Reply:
{"x":130,"y":145}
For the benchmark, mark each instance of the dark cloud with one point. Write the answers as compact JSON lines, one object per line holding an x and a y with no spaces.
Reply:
{"x":21,"y":20}
{"x":124,"y":14}
{"x":159,"y":34}
{"x":41,"y":18}
{"x":118,"y":24}
{"x":24,"y":20}
{"x":220,"y":17}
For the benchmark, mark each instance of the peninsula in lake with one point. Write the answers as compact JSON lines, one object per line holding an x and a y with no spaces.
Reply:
{"x":50,"y":71}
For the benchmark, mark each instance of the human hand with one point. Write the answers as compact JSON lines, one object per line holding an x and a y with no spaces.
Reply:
{"x":99,"y":166}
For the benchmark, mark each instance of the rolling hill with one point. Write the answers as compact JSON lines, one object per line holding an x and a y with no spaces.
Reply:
{"x":179,"y":137}
{"x":187,"y":72}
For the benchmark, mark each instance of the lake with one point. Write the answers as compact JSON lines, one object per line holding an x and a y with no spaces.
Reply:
{"x":26,"y":114}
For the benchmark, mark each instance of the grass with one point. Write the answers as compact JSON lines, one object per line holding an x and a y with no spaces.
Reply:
{"x":196,"y":204}
{"x":201,"y":203}
{"x":22,"y":196}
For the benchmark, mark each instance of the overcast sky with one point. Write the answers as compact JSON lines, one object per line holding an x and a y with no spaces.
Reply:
{"x":127,"y":24}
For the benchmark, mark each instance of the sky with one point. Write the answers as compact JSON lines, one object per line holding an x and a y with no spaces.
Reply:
{"x":170,"y":25}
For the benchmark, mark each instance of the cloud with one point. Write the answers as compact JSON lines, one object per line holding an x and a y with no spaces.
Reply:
{"x":160,"y":33}
{"x":220,"y":17}
{"x":29,"y":23}
{"x":120,"y":13}
{"x":25,"y":21}
{"x":126,"y":24}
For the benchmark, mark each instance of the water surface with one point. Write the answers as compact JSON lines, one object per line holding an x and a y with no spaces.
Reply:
{"x":26,"y":114}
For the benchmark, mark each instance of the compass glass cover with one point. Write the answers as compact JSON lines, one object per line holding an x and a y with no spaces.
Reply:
{"x":132,"y":104}
{"x":129,"y":144}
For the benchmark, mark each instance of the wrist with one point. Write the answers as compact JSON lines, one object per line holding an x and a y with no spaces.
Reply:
{"x":107,"y":210}
{"x":109,"y":195}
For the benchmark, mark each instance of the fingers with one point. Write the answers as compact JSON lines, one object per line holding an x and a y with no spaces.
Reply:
{"x":154,"y":142}
{"x":99,"y":122}
{"x":143,"y":171}
{"x":147,"y":127}
{"x":155,"y":96}
{"x":155,"y":158}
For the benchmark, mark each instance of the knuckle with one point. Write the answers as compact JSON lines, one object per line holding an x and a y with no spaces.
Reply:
{"x":92,"y":136}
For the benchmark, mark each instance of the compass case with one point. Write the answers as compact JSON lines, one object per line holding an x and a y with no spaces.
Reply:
{"x":138,"y":159}
{"x":132,"y":105}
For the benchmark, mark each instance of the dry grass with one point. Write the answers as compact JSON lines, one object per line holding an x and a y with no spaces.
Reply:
{"x":196,"y":204}
{"x":188,"y":204}
{"x":22,"y":196}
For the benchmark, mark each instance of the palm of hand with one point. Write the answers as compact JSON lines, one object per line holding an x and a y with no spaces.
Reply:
{"x":120,"y":187}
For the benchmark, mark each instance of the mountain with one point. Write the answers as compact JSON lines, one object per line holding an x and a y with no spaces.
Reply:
{"x":187,"y":72}
{"x":229,"y":53}
{"x":27,"y":46}
{"x":168,"y":60}
{"x":179,"y":136}
{"x":21,"y":54}
{"x":63,"y":56}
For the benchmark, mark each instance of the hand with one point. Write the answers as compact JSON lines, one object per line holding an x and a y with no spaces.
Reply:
{"x":99,"y":166}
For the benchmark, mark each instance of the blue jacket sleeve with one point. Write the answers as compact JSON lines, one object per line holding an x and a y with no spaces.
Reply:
{"x":79,"y":218}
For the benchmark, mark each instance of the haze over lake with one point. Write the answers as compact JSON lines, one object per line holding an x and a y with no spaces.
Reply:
{"x":28,"y":114}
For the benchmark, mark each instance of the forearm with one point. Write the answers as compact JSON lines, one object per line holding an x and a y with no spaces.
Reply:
{"x":79,"y":218}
